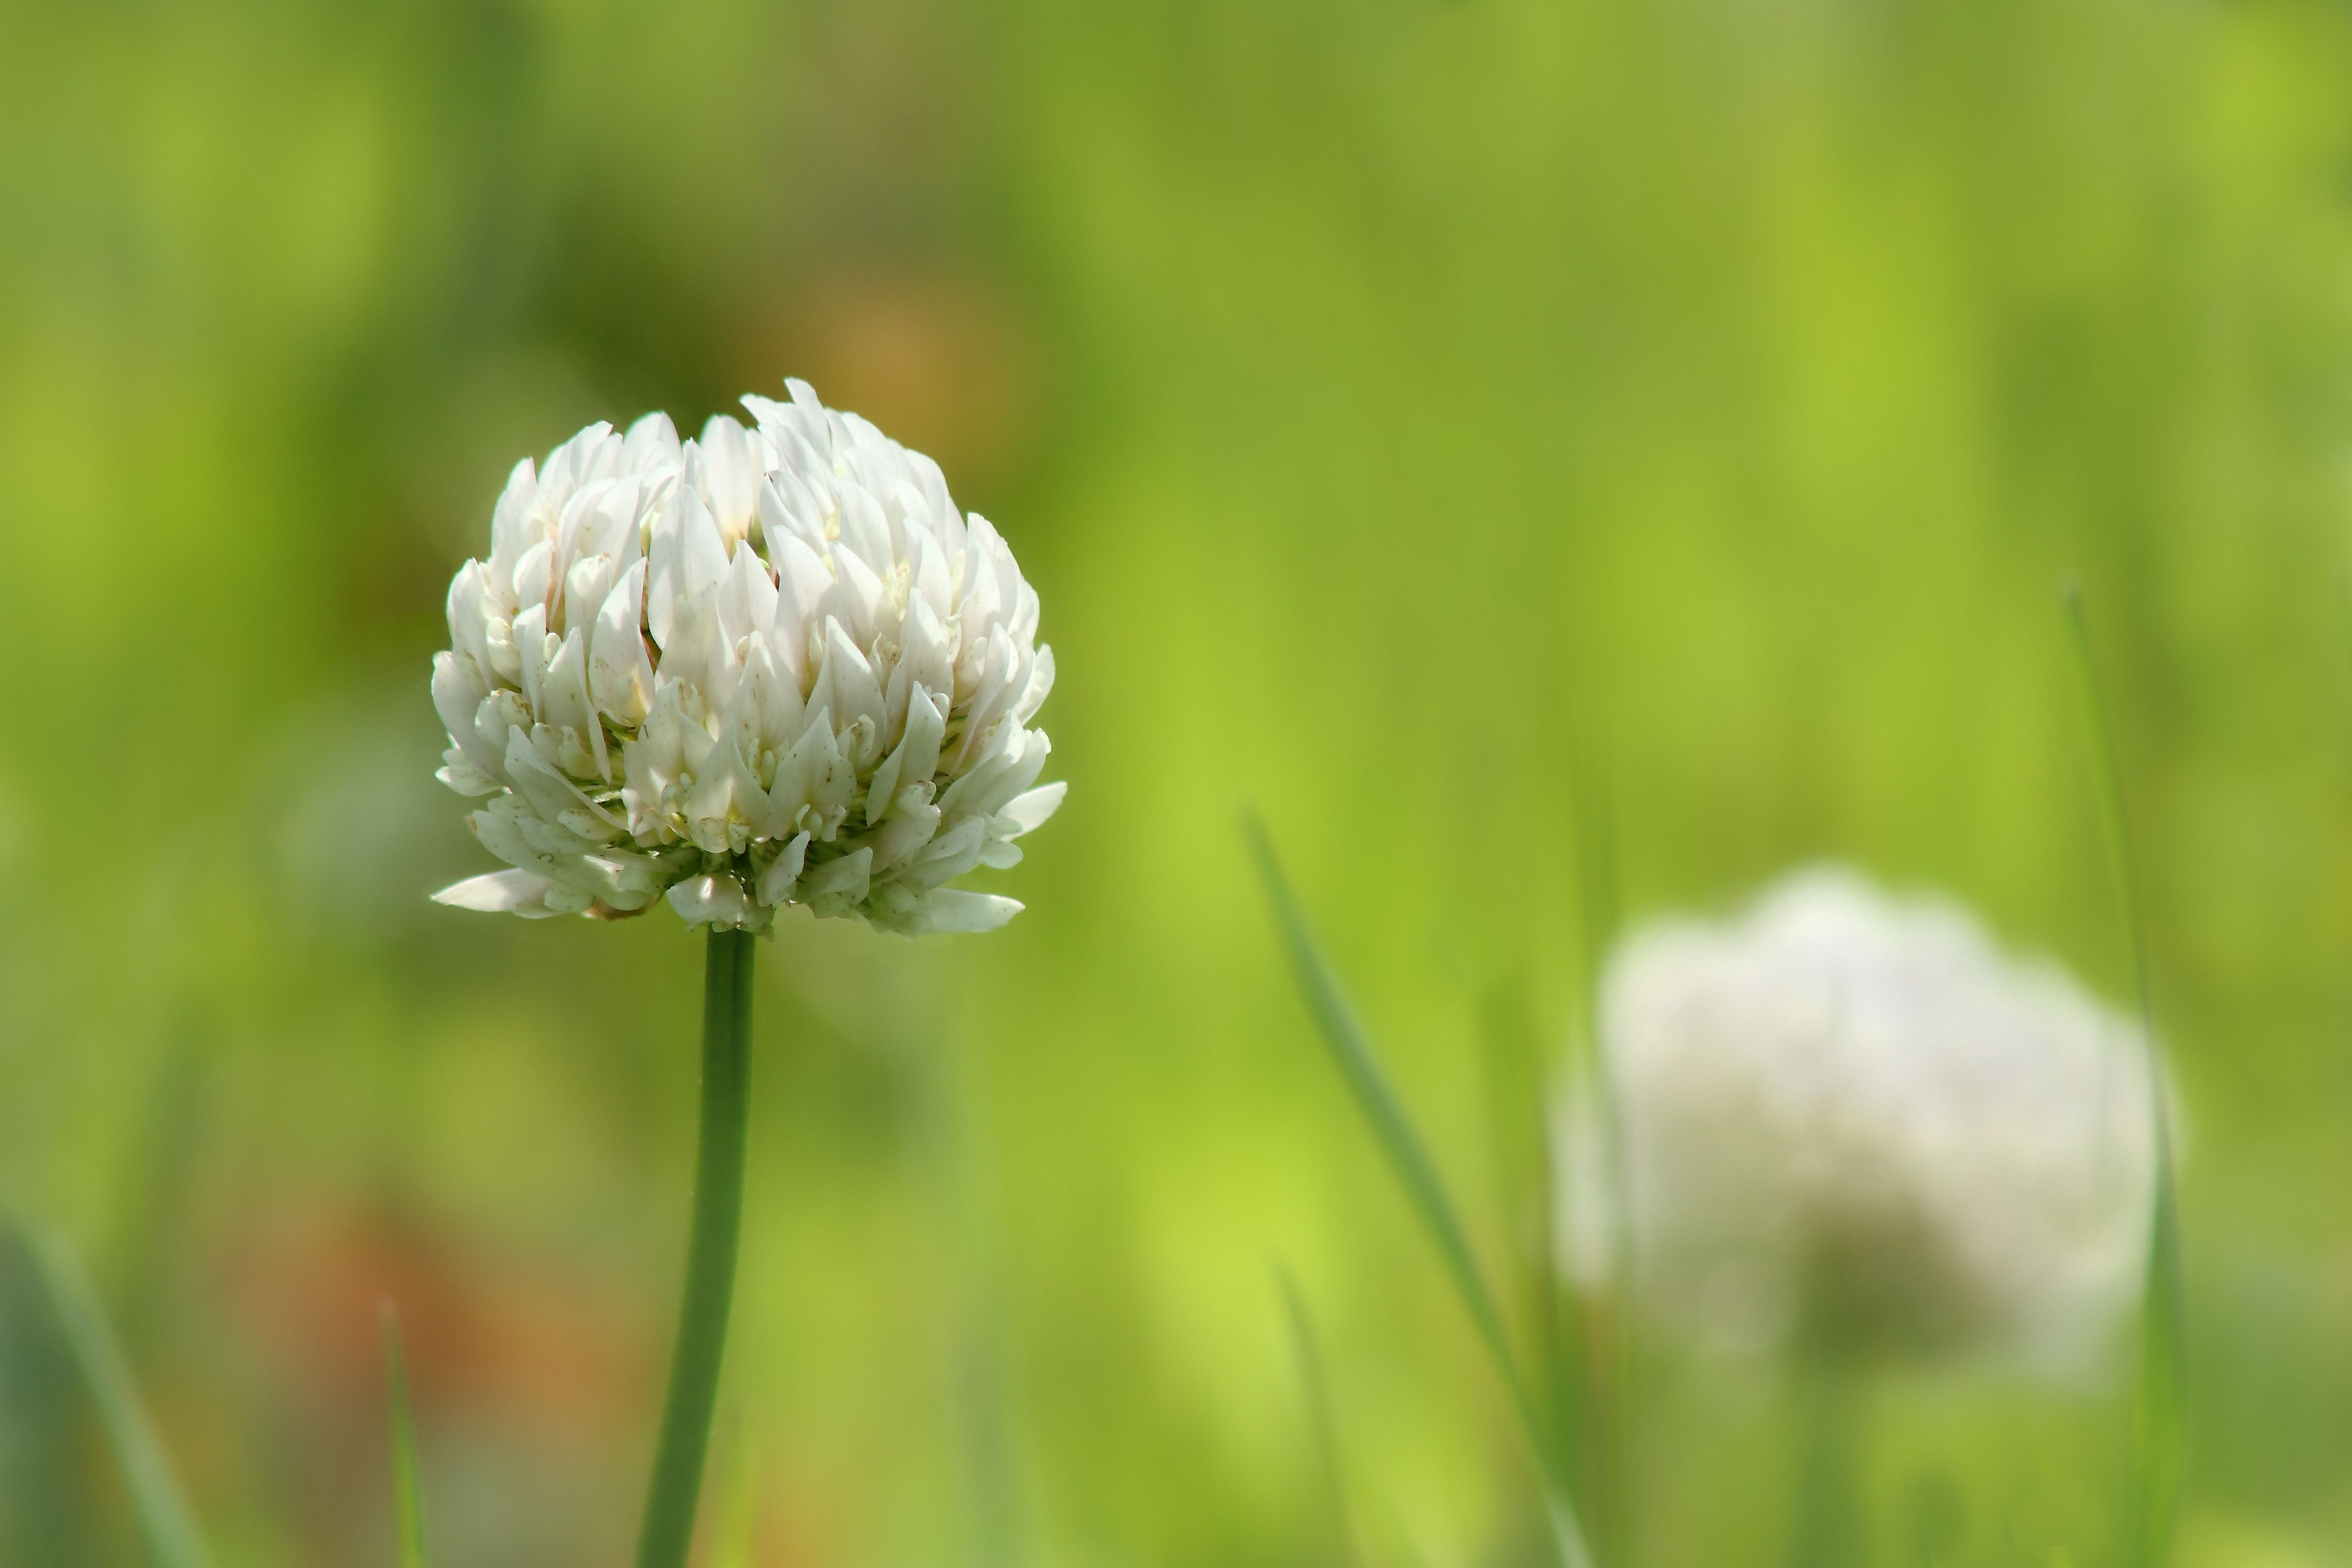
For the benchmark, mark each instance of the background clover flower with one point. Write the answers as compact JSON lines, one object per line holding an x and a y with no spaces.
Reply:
{"x":1854,"y":1119}
{"x":773,"y":666}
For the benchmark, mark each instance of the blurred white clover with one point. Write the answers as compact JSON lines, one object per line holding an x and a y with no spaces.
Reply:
{"x":1851,"y":1122}
{"x":772,"y":666}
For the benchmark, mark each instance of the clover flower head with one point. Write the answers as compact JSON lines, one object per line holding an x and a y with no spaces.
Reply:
{"x":1852,"y":1122}
{"x":771,"y":667}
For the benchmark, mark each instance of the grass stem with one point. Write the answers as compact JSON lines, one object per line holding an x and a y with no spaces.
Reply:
{"x":407,"y":1488}
{"x":1606,"y":1318}
{"x":2162,"y":1428}
{"x":165,"y":1522}
{"x":1318,"y":1390}
{"x":1351,"y":1050}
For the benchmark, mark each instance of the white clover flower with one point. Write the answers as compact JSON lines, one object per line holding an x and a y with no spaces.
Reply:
{"x":773,"y":667}
{"x":1854,"y":1121}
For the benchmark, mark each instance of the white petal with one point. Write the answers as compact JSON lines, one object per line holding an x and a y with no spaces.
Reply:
{"x":923,"y":661}
{"x":929,"y":580}
{"x":904,"y":836}
{"x":530,"y":648}
{"x":1028,"y":812}
{"x":729,"y":477}
{"x":1007,"y":676}
{"x":815,"y":774}
{"x":458,"y":771}
{"x":856,"y":597}
{"x":620,"y":675}
{"x":864,"y":529}
{"x":511,"y":533}
{"x":576,"y":463}
{"x":716,"y":901}
{"x":956,"y":909}
{"x":468,"y":616}
{"x":699,"y":654}
{"x":702,"y":548}
{"x":747,"y":596}
{"x":534,"y":574}
{"x":1041,"y":686}
{"x":782,"y":713}
{"x":844,"y":880}
{"x":949,"y":855}
{"x":779,"y":519}
{"x":801,"y":580}
{"x":991,"y":786}
{"x":457,"y":696}
{"x":846,"y":685}
{"x":915,"y":761}
{"x":651,"y":441}
{"x":498,"y":893}
{"x":552,"y":796}
{"x":776,"y":882}
{"x":565,"y":689}
{"x":663,"y":576}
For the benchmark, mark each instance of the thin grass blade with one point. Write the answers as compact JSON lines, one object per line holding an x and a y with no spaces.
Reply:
{"x":1606,"y":1320}
{"x":166,"y":1523}
{"x":1527,"y":1178}
{"x":1319,"y":1411}
{"x":2162,"y":1435}
{"x":407,"y":1486}
{"x":1392,"y":1130}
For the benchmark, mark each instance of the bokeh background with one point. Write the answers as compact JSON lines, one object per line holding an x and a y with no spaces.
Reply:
{"x":1400,"y":405}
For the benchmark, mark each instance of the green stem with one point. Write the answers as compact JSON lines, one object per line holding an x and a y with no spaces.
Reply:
{"x":407,"y":1490}
{"x":1608,"y":1317}
{"x":157,"y":1502}
{"x":677,"y":1486}
{"x":1351,"y":1050}
{"x":1829,"y":1514}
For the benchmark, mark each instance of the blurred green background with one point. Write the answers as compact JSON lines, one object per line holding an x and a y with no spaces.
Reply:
{"x":1398,"y":405}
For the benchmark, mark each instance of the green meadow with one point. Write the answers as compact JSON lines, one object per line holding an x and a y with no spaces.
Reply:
{"x":1508,"y":448}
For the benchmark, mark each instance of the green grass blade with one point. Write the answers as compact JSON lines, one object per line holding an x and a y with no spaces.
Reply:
{"x":1319,"y":1411}
{"x":2162,"y":1437}
{"x":1526,"y":1179}
{"x":407,"y":1488}
{"x":165,"y":1522}
{"x":1393,"y":1131}
{"x":1606,"y":1320}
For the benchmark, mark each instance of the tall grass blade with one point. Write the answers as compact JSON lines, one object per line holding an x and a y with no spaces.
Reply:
{"x":1606,"y":1320}
{"x":1319,"y":1412}
{"x":2162,"y":1435}
{"x":953,"y":1163}
{"x":165,"y":1522}
{"x":1518,"y":1096}
{"x":1393,"y":1131}
{"x":407,"y":1488}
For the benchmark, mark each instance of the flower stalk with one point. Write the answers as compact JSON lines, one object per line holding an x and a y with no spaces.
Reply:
{"x":668,"y":1533}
